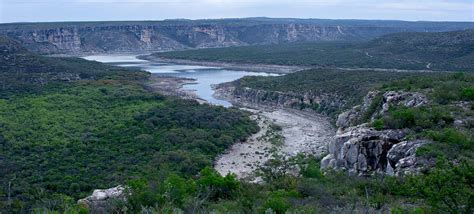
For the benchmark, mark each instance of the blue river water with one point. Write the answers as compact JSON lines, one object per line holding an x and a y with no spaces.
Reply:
{"x":205,"y":76}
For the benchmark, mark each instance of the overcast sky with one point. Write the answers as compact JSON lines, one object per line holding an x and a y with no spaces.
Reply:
{"x":98,"y":10}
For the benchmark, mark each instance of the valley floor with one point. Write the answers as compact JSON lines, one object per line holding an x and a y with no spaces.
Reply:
{"x":284,"y":133}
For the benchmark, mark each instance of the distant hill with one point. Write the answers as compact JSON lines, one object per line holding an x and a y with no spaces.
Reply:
{"x":446,"y":50}
{"x":139,"y":36}
{"x":23,"y":71}
{"x":413,"y":51}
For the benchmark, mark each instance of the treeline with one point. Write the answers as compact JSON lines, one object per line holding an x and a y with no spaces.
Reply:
{"x":451,"y":51}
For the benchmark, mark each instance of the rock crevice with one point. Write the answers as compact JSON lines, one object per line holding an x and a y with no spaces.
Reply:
{"x":362,"y":150}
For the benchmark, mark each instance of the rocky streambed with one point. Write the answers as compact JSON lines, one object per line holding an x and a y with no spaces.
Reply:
{"x":299,"y":132}
{"x":284,"y":133}
{"x":356,"y":147}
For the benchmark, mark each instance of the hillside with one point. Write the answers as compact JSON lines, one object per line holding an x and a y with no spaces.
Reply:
{"x":141,"y":36}
{"x":321,"y":90}
{"x":68,"y":126}
{"x":23,"y":71}
{"x":412,"y":51}
{"x":415,"y":125}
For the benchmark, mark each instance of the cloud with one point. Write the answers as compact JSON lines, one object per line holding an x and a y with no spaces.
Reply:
{"x":71,"y":10}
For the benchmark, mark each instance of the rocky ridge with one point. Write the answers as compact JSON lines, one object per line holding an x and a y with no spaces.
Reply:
{"x":363,"y":150}
{"x":152,"y":36}
{"x":251,"y":97}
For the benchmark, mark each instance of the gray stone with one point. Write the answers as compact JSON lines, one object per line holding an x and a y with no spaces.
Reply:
{"x":361,"y":150}
{"x":402,"y":158}
{"x":100,"y":199}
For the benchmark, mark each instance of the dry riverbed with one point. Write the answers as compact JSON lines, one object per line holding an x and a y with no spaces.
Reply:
{"x":298,"y":133}
{"x":283,"y":132}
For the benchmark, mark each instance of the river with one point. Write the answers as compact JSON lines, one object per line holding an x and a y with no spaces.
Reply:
{"x":205,"y":76}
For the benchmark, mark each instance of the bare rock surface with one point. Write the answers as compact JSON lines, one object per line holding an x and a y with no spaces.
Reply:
{"x":402,"y":159}
{"x":100,"y":199}
{"x":302,"y":133}
{"x":407,"y":99}
{"x":363,"y":150}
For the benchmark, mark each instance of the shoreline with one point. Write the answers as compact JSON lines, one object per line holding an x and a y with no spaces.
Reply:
{"x":173,"y":86}
{"x":268,"y":68}
{"x":298,"y":132}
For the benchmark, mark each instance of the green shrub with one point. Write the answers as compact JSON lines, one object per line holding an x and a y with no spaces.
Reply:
{"x":378,"y":124}
{"x":220,"y":187}
{"x":468,"y":93}
{"x":453,"y":137}
{"x":375,"y":105}
{"x":448,"y":188}
{"x":400,"y":117}
{"x":277,"y":202}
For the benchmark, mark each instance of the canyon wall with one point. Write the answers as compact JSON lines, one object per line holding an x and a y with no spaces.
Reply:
{"x":152,"y":36}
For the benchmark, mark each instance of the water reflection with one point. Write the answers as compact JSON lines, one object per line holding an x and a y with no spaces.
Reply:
{"x":205,"y":76}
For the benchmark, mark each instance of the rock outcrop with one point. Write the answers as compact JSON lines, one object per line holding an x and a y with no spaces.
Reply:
{"x":402,"y":158}
{"x":362,"y":150}
{"x":245,"y":96}
{"x":99,"y":37}
{"x":376,"y":104}
{"x":354,"y":116}
{"x":101,"y":199}
{"x":407,"y":99}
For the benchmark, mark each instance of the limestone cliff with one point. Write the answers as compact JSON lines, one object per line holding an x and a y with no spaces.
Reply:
{"x":97,"y":37}
{"x":362,"y":150}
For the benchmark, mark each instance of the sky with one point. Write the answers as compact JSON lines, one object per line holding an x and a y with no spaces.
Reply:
{"x":106,"y":10}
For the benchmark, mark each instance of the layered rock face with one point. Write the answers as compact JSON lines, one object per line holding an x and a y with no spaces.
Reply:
{"x":250,"y":96}
{"x":362,"y":150}
{"x":98,"y":37}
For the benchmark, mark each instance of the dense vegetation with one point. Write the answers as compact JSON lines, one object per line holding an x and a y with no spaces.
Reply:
{"x":445,"y":189}
{"x":342,"y":89}
{"x":25,"y":72}
{"x":414,"y":51}
{"x":103,"y":129}
{"x":177,"y":179}
{"x":99,"y":130}
{"x":451,"y":100}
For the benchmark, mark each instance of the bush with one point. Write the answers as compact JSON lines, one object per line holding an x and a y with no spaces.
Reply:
{"x":448,"y":188}
{"x":378,"y":124}
{"x":312,"y":170}
{"x":400,"y":117}
{"x":218,"y":187}
{"x":277,"y":202}
{"x":468,"y":93}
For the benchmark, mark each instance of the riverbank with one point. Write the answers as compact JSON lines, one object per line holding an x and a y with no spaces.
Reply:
{"x":173,"y":86}
{"x":283,"y":132}
{"x":267,"y":68}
